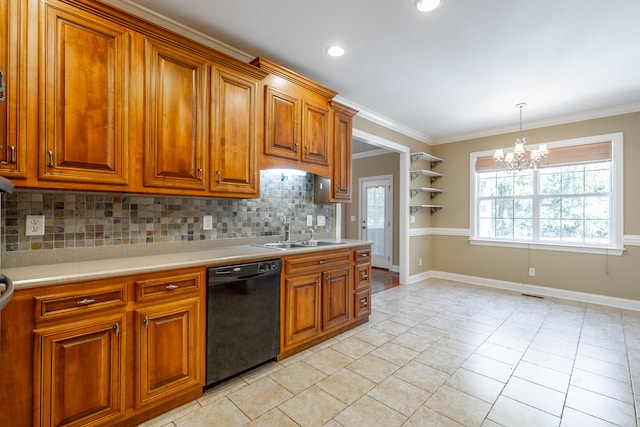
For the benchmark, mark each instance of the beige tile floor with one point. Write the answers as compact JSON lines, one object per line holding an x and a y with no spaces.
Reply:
{"x":442,"y":353}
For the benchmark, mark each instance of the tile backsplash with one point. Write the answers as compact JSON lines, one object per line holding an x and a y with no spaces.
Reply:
{"x":78,"y":220}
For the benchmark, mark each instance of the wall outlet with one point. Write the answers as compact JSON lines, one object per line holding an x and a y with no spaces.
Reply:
{"x":321,"y":221}
{"x":34,"y":225}
{"x":207,"y":222}
{"x":309,"y":220}
{"x":419,"y":261}
{"x":413,"y":219}
{"x":532,"y":271}
{"x":353,"y":218}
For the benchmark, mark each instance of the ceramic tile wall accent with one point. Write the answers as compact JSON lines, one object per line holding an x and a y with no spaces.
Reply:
{"x":75,"y":220}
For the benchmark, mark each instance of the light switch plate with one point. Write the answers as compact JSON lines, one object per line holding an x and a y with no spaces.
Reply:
{"x":321,"y":221}
{"x":207,"y":222}
{"x":309,"y":220}
{"x":34,"y":225}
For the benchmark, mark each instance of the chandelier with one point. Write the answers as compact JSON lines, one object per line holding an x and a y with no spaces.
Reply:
{"x":520,"y":158}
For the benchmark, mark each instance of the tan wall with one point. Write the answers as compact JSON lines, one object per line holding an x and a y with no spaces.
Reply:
{"x":599,"y":274}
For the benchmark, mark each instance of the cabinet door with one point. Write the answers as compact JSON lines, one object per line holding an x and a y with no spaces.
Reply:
{"x":302,"y":309}
{"x":336,"y":301}
{"x":315,"y":134}
{"x":175,"y":118}
{"x":235,"y":133}
{"x":80,"y":373}
{"x":342,"y":131}
{"x":12,"y":159}
{"x":85,"y":79}
{"x":168,"y":351}
{"x":282,"y":124}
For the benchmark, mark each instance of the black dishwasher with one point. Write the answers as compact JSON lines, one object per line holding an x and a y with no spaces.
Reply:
{"x":243,"y":317}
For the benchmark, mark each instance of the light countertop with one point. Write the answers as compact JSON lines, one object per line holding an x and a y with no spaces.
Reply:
{"x":32,"y":276}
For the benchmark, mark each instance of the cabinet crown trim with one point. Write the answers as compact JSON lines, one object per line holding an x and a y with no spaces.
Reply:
{"x":278,"y":70}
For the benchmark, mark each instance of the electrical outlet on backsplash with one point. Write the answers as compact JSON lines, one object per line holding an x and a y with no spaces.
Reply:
{"x":78,"y":220}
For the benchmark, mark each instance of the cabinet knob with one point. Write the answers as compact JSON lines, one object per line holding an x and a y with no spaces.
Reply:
{"x":86,"y":301}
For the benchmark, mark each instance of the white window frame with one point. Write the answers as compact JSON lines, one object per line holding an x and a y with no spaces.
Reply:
{"x":616,"y":244}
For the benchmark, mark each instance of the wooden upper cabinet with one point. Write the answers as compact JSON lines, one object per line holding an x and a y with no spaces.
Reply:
{"x":297,"y":121}
{"x":235,"y":131}
{"x":176,"y":83}
{"x":315,"y":134}
{"x":282,"y":133}
{"x":12,"y":27}
{"x":84,"y":83}
{"x":342,"y":144}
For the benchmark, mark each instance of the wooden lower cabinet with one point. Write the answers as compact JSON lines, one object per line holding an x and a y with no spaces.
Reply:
{"x":115,"y":351}
{"x":301,"y":308}
{"x":166,"y":359}
{"x":79,"y":371}
{"x":319,"y":297}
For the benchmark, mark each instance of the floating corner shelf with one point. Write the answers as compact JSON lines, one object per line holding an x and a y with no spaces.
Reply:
{"x":432,"y":208}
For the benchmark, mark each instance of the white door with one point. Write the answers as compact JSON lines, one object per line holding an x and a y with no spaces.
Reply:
{"x":376,"y":210}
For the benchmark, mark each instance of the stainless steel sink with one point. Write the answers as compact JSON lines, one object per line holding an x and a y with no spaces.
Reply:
{"x":283,"y":246}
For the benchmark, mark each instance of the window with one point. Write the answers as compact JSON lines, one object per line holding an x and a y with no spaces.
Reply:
{"x":572,"y":203}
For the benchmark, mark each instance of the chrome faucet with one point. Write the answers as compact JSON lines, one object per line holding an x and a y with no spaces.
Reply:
{"x":287,"y":227}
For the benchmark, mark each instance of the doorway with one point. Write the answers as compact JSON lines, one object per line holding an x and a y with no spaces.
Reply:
{"x":376,"y":209}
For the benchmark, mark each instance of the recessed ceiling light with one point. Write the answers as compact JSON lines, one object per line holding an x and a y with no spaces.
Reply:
{"x":426,"y":5}
{"x":335,"y":50}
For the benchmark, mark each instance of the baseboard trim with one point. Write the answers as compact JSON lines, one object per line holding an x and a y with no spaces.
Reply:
{"x":530,"y":289}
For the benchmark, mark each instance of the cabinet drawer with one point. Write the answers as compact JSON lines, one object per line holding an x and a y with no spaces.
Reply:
{"x":68,"y":303}
{"x":307,"y":263}
{"x":362,"y":255}
{"x":362,"y":277}
{"x":167,"y":286}
{"x":362,"y":303}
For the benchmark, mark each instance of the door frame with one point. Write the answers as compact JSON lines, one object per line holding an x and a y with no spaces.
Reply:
{"x":403,"y":187}
{"x":386,"y":261}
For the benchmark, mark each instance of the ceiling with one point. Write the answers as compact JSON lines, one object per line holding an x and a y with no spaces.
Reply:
{"x":450,"y":74}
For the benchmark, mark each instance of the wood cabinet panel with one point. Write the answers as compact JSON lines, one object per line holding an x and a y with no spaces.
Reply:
{"x":84,"y":97}
{"x":315,"y":134}
{"x":12,"y":88}
{"x":176,"y":116}
{"x":80,"y":373}
{"x":235,"y":133}
{"x":282,"y":132}
{"x":302,"y":308}
{"x":167,"y":357}
{"x":336,"y":298}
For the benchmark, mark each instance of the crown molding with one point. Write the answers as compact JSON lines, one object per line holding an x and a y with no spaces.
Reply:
{"x":386,"y":122}
{"x":180,"y":28}
{"x":561,"y":120}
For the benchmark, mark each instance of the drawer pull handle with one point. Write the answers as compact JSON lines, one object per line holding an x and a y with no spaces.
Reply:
{"x":86,"y":301}
{"x":116,"y":328}
{"x":322,"y":261}
{"x":50,"y":158}
{"x":199,"y":174}
{"x":218,"y":177}
{"x":295,"y":147}
{"x":171,"y":287}
{"x":146,"y":322}
{"x":364,"y":276}
{"x":13,"y":154}
{"x":328,"y":277}
{"x":364,"y":255}
{"x":363,"y":302}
